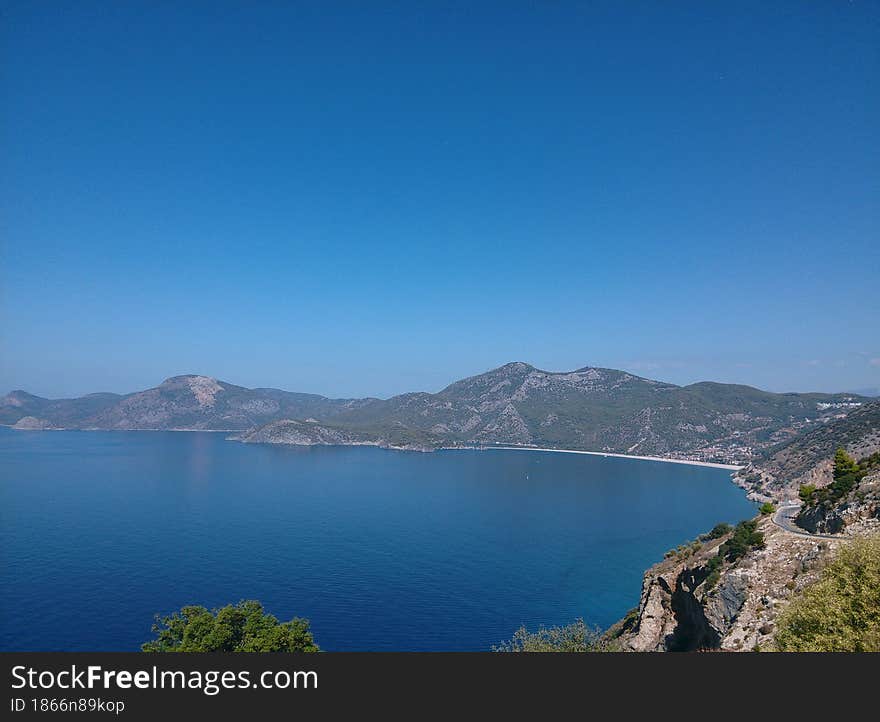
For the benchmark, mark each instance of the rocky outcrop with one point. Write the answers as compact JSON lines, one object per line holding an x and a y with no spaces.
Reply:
{"x":682,"y":610}
{"x":861,"y":504}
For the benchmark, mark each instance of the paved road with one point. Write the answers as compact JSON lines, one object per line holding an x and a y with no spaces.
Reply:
{"x":784,"y":516}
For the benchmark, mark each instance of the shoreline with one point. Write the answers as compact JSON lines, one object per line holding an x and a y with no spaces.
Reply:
{"x":391,"y":447}
{"x":711,"y":464}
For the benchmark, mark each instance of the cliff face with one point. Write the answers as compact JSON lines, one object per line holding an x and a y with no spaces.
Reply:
{"x":680,"y":610}
{"x":683,"y":609}
{"x":856,"y":508}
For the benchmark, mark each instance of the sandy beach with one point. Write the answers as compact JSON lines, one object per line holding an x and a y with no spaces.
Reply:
{"x":732,"y":467}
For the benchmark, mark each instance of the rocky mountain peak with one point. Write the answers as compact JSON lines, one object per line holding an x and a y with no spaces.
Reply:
{"x":186,"y":379}
{"x":514,"y":367}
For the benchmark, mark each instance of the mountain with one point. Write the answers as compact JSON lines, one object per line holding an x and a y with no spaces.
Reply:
{"x":807,"y":458}
{"x":590,"y":408}
{"x":181,"y":402}
{"x":61,"y":413}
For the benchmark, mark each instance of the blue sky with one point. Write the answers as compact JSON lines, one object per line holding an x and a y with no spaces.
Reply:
{"x":370,"y":198}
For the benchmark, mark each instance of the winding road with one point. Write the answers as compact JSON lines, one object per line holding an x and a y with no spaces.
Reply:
{"x":784,"y":516}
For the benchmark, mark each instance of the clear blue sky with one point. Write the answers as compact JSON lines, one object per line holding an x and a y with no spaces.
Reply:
{"x":367,"y":198}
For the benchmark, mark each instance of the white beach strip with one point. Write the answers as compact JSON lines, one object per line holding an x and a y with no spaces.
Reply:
{"x":732,"y":467}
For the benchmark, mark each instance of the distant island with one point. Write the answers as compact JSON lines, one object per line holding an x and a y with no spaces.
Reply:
{"x":590,"y":409}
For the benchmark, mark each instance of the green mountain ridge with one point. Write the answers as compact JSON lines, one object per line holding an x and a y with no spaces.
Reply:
{"x":591,"y":408}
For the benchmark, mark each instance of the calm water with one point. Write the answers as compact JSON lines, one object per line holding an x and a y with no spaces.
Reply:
{"x":381,"y":550}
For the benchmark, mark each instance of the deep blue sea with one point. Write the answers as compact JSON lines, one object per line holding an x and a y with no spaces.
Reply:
{"x":381,"y":550}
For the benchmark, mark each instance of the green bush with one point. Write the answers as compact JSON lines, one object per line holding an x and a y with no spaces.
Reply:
{"x":715,"y":563}
{"x":847,"y":474}
{"x":719,"y":530}
{"x":574,"y":637}
{"x":767,"y":508}
{"x":712,"y":579}
{"x":745,"y":537}
{"x":806,"y":493}
{"x":243,"y":627}
{"x":841,"y":611}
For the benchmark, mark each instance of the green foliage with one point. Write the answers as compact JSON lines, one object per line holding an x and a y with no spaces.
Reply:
{"x":806,"y":493}
{"x":574,"y":637}
{"x":714,"y":567}
{"x":715,"y":563}
{"x":712,"y":579}
{"x":744,"y":538}
{"x":847,"y":474}
{"x":719,"y":530}
{"x":844,"y":464}
{"x":841,"y":611}
{"x":766,"y":508}
{"x":243,"y":627}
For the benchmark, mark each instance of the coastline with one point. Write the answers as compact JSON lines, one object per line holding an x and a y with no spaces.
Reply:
{"x":379,"y":444}
{"x":732,"y":467}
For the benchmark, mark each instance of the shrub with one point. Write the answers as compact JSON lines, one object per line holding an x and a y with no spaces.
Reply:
{"x":745,"y":537}
{"x":806,"y":493}
{"x":719,"y":530}
{"x":715,"y":563}
{"x":841,"y":611}
{"x":767,"y":508}
{"x":243,"y":627}
{"x":712,"y":579}
{"x":574,"y":637}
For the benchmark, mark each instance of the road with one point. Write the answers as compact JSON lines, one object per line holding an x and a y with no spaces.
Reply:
{"x":784,"y":516}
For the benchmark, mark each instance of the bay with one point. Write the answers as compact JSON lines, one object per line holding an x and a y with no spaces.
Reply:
{"x":380,"y":549}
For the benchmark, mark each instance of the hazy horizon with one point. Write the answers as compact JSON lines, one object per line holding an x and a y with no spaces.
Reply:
{"x":871,"y":391}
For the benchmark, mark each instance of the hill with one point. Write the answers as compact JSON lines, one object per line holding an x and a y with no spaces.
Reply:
{"x":781,"y":469}
{"x":590,"y":409}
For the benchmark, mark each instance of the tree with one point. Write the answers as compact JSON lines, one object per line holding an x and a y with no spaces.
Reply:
{"x":745,"y":537}
{"x":844,"y":464}
{"x":243,"y":627}
{"x":806,"y":493}
{"x":841,"y":611}
{"x":767,"y":508}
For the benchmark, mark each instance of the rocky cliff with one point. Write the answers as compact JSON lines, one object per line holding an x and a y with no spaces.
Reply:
{"x":834,"y":516}
{"x":680,"y":611}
